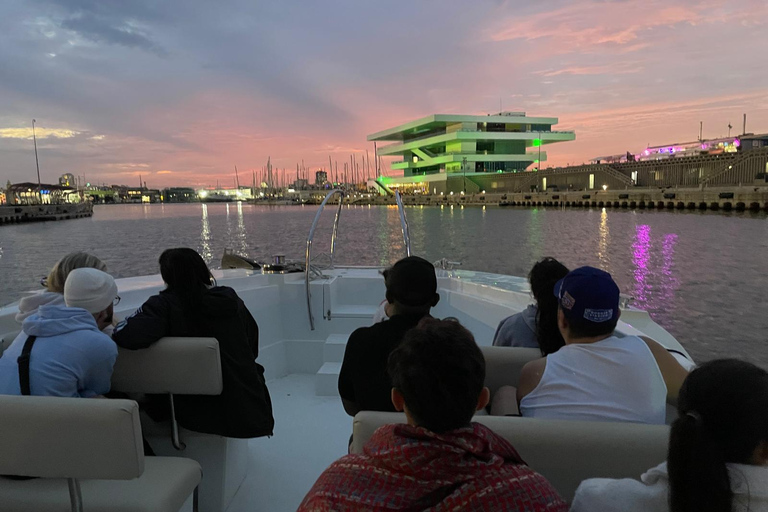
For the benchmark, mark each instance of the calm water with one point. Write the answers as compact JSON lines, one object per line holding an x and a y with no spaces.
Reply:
{"x":702,"y":276}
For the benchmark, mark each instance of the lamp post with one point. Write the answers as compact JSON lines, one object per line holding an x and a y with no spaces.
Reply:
{"x":464,"y":173}
{"x":37,"y":163}
{"x":538,"y":167}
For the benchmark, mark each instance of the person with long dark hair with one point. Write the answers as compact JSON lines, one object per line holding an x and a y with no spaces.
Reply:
{"x":536,"y":326}
{"x":193,"y":306}
{"x":718,"y":450}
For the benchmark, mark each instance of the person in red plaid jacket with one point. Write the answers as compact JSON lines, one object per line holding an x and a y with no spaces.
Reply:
{"x":440,"y":460}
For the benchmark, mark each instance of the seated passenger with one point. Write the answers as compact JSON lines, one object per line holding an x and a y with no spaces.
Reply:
{"x":54,"y":283}
{"x":191,"y":307}
{"x":439,"y":460}
{"x":597,"y":376}
{"x":536,"y":325}
{"x":718,"y":450}
{"x":66,"y":354}
{"x":364,"y":384}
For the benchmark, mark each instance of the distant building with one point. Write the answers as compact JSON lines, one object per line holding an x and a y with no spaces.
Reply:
{"x":321,"y":178}
{"x":67,"y":180}
{"x":223,"y":195}
{"x":752,"y":141}
{"x":440,"y":145}
{"x":179,"y":195}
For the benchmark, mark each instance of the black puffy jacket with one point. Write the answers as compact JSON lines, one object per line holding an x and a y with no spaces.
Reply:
{"x":243,"y":409}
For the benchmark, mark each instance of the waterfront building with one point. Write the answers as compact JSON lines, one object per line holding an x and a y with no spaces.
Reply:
{"x":216,"y":195}
{"x":179,"y":195}
{"x":751,"y":141}
{"x":68,"y":180}
{"x":27,"y":193}
{"x":440,"y":145}
{"x":321,"y":178}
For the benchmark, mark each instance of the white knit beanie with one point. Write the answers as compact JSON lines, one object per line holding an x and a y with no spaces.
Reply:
{"x":90,"y":289}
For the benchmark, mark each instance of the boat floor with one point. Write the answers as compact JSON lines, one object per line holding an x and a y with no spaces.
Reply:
{"x":310,"y":433}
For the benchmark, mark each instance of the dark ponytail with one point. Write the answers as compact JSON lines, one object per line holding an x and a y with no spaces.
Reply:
{"x":723,"y":417}
{"x":543,"y":277}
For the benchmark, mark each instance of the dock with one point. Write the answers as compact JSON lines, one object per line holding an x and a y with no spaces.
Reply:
{"x":744,"y":198}
{"x":15,"y":214}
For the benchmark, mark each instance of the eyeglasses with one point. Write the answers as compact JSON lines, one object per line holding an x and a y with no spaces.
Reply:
{"x":116,"y":301}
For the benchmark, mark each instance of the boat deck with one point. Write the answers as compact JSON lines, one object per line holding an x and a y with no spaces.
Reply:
{"x":310,"y":433}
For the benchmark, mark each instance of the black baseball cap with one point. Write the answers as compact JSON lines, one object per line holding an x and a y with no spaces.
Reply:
{"x":411,"y":281}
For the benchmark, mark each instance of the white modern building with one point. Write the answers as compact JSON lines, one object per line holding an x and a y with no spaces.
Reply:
{"x":436,"y":146}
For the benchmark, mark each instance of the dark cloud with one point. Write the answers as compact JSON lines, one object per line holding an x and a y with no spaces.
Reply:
{"x":101,"y":30}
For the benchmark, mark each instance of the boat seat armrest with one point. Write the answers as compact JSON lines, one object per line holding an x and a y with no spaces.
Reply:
{"x":504,"y":364}
{"x":183,"y":366}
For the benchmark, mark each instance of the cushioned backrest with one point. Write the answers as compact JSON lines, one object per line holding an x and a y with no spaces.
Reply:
{"x":503,"y":365}
{"x":565,"y":452}
{"x":185,"y":366}
{"x":70,"y":437}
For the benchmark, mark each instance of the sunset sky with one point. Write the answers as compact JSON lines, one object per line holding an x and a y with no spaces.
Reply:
{"x":182,"y":91}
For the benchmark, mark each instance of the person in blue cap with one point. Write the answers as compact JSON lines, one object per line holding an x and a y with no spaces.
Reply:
{"x":597,"y":375}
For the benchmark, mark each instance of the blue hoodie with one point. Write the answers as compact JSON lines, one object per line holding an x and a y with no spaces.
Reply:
{"x":71,"y":357}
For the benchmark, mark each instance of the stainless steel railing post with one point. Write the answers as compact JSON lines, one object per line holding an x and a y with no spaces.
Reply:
{"x":335,"y":229}
{"x":403,"y":223}
{"x":308,"y":255}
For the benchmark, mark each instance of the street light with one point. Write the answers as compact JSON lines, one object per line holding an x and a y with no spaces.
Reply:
{"x":464,"y":172}
{"x":37,"y":163}
{"x":539,"y":166}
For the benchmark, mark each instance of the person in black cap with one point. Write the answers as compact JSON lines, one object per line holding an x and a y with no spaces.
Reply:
{"x":363,"y":381}
{"x":597,"y":375}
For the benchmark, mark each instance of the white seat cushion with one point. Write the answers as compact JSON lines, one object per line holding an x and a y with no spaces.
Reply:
{"x":163,"y":487}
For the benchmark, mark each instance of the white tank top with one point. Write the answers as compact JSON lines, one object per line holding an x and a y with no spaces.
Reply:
{"x":615,"y":379}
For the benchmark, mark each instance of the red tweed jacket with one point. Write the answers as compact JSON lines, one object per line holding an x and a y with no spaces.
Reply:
{"x":405,"y":468}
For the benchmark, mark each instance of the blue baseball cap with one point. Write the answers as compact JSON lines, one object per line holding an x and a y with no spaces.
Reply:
{"x":588,"y":294}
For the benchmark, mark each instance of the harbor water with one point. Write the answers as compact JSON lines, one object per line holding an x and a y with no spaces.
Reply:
{"x":702,"y":276}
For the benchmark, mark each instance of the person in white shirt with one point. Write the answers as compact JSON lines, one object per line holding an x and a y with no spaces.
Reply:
{"x":718,"y":450}
{"x":596,"y":376}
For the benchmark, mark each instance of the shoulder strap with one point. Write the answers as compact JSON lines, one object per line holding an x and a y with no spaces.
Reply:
{"x":23,"y":362}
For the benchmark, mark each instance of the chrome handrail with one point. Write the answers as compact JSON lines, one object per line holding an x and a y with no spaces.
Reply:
{"x":308,"y":256}
{"x":403,"y":223}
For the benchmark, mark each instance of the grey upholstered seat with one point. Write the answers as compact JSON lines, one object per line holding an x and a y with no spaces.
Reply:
{"x":565,"y":452}
{"x":91,"y":443}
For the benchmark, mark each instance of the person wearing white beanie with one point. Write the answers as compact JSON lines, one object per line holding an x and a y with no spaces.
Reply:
{"x":61,"y":350}
{"x":94,"y":291}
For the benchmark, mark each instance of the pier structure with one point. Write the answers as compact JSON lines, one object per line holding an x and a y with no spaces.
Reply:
{"x":15,"y":214}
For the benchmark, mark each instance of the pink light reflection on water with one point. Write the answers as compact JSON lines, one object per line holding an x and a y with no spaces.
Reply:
{"x":670,"y":282}
{"x":641,"y":249}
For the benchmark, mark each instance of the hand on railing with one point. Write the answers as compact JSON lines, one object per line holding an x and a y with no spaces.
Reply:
{"x":445,"y":264}
{"x":625,"y":301}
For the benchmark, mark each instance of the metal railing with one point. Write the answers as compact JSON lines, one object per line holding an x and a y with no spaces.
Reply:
{"x":308,"y":255}
{"x":403,"y":224}
{"x":334,"y":236}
